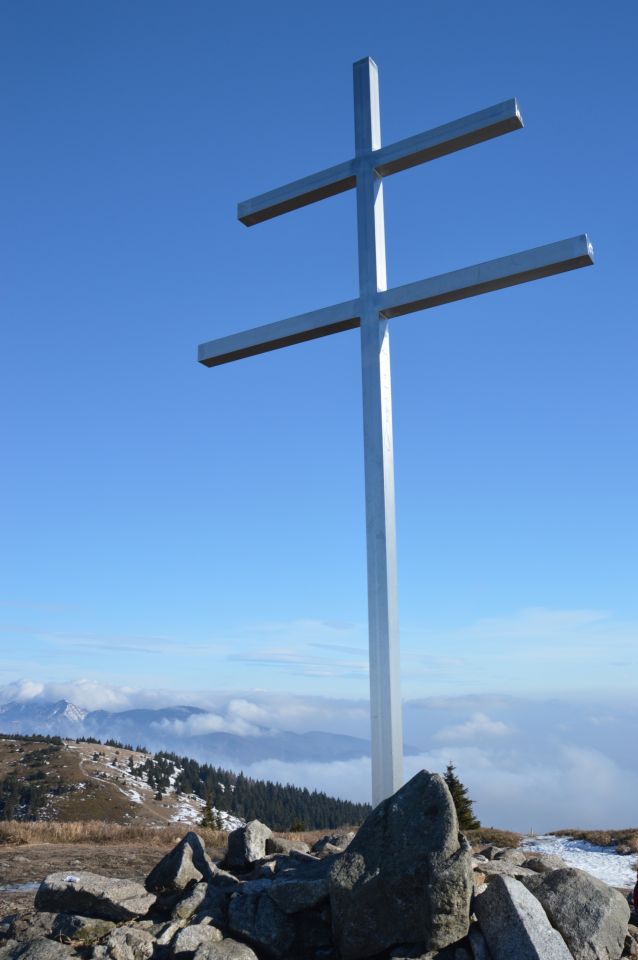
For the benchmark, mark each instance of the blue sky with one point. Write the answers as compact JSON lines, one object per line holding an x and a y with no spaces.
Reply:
{"x":178,"y":527}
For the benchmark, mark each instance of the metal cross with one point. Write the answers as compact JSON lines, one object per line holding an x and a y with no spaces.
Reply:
{"x":371,"y":311}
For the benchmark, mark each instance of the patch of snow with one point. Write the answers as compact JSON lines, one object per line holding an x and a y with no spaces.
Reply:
{"x":189,"y":810}
{"x":615,"y":869}
{"x":134,"y":796}
{"x":230,"y":822}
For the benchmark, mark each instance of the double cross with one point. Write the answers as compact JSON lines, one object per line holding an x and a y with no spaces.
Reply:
{"x":370,"y":311}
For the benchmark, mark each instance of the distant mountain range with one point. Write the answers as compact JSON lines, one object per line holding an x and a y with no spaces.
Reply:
{"x":175,"y":729}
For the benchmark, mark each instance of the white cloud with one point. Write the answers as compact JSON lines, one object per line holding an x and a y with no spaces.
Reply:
{"x":577,"y":788}
{"x":528,"y":762}
{"x":199,"y":724}
{"x":22,"y":691}
{"x":238,"y":711}
{"x":478,"y":725}
{"x":90,"y":694}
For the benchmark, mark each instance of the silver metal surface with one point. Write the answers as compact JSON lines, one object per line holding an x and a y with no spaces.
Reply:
{"x":378,"y":454}
{"x":469,"y":282}
{"x":371,"y":312}
{"x":271,"y":336}
{"x":475,"y":128}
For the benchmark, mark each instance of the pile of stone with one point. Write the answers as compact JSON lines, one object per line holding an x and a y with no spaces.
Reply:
{"x":406,"y":886}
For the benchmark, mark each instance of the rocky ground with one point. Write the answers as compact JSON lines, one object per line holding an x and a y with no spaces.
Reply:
{"x":406,"y":886}
{"x":29,"y":864}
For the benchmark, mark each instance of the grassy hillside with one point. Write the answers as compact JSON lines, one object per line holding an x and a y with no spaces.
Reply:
{"x":63,"y":781}
{"x":51,"y":779}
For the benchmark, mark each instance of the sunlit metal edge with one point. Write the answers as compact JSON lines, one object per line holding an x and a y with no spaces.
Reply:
{"x":300,"y":193}
{"x":475,"y":128}
{"x":283,"y":333}
{"x":545,"y":261}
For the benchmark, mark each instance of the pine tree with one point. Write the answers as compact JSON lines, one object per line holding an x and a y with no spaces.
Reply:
{"x":463,"y":804}
{"x":210,"y":816}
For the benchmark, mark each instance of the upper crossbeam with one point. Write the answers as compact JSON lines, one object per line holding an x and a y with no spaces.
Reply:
{"x":448,"y":138}
{"x":552,"y":258}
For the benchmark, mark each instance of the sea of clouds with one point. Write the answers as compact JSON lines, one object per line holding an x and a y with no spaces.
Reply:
{"x":530,"y":763}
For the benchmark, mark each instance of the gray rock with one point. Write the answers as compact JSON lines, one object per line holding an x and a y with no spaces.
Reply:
{"x":126,"y":943}
{"x":91,"y":895}
{"x":591,"y":917}
{"x":406,"y":877}
{"x":185,"y":943}
{"x":191,"y":903}
{"x":313,"y":934}
{"x":257,"y":919}
{"x":491,"y":851}
{"x":333,"y":843}
{"x":503,"y":868}
{"x":293,"y":896}
{"x":7,"y":949}
{"x":545,"y":862}
{"x":41,"y":949}
{"x":302,"y":857}
{"x":478,"y":945}
{"x":511,"y":855}
{"x":225,"y":950}
{"x":631,"y":943}
{"x":406,"y":951}
{"x":167,"y":931}
{"x":187,"y":863}
{"x":281,"y":845}
{"x":83,"y":929}
{"x":30,"y":925}
{"x":214,"y":908}
{"x":329,"y":850}
{"x":247,"y":844}
{"x":515,"y":925}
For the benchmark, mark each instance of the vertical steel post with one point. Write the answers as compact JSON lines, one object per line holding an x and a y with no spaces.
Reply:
{"x":383,"y":620}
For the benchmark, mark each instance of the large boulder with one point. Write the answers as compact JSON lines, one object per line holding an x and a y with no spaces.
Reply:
{"x":332,"y":843}
{"x":185,"y":908}
{"x":257,"y":919}
{"x":545,"y":862}
{"x":126,"y":943}
{"x":88,"y":930}
{"x":478,"y":944}
{"x":187,"y":941}
{"x":631,"y":943}
{"x":511,"y":855}
{"x":295,"y":895}
{"x":515,"y":925}
{"x":406,"y":877}
{"x":39,"y":949}
{"x":591,"y":916}
{"x":281,"y":845}
{"x":504,"y":868}
{"x":214,"y":909}
{"x":187,"y":863}
{"x":91,"y":895}
{"x":30,"y":925}
{"x":225,"y":950}
{"x":247,"y":844}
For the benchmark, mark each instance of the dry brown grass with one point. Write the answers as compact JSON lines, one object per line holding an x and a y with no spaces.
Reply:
{"x":311,"y":836}
{"x":501,"y":838}
{"x":625,"y":841}
{"x":99,"y":831}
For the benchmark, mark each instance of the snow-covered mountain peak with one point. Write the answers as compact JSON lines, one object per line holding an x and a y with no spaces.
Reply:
{"x":68,"y":710}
